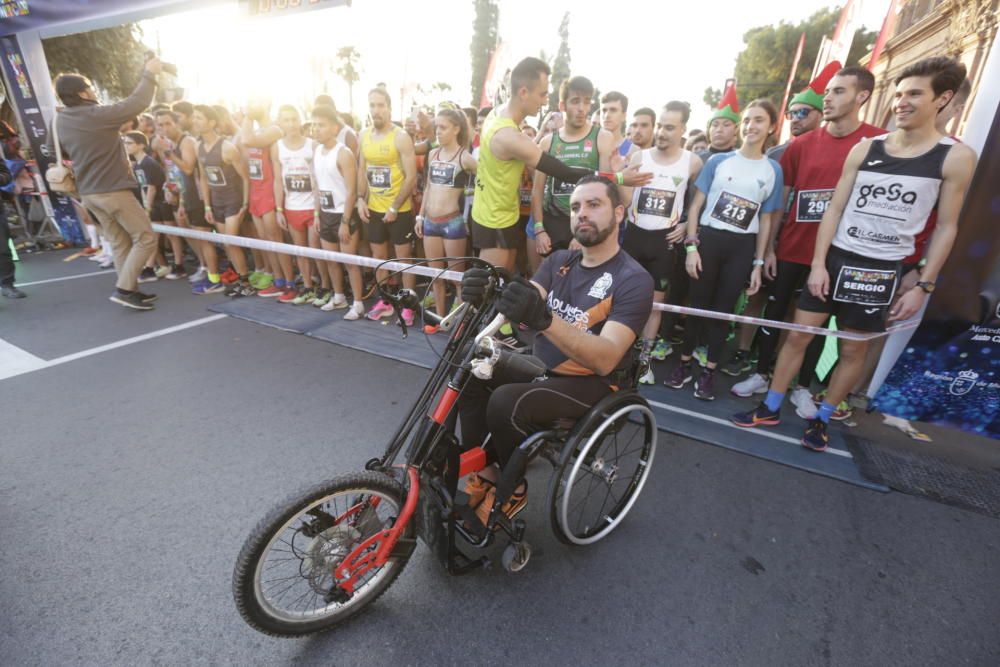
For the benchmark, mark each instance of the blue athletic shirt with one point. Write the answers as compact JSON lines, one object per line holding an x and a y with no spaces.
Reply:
{"x":619,"y":290}
{"x":737,"y":190}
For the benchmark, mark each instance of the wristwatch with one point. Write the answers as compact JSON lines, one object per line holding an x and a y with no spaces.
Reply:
{"x":926,"y":286}
{"x":758,"y":262}
{"x":392,"y":210}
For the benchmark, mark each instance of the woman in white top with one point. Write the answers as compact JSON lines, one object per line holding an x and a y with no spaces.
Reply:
{"x":295,"y":195}
{"x":335,"y":168}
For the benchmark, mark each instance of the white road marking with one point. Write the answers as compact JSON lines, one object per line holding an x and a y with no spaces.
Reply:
{"x":15,"y":361}
{"x":105,"y":272}
{"x":754,"y":431}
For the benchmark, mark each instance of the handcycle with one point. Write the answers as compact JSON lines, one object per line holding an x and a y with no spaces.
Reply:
{"x":328,"y":551}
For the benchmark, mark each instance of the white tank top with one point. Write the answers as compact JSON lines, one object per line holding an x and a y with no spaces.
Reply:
{"x":890,"y":202}
{"x":658,"y":204}
{"x":296,"y":170}
{"x":329,"y":181}
{"x":343,"y":134}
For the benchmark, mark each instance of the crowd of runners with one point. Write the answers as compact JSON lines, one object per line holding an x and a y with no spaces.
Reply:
{"x":845,"y":219}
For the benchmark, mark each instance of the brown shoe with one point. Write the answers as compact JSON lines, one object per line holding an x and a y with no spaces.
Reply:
{"x":511,"y":508}
{"x":476,"y":488}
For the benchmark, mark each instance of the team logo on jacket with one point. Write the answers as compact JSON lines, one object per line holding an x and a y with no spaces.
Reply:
{"x":599,"y":289}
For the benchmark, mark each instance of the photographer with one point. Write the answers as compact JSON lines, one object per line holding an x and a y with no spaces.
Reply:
{"x":88,"y":134}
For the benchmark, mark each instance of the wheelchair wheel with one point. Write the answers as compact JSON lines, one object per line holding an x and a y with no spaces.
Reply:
{"x":283,"y":580}
{"x":602,"y":469}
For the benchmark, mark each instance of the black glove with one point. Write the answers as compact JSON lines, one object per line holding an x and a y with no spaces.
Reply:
{"x":474,"y":284}
{"x":522,"y":303}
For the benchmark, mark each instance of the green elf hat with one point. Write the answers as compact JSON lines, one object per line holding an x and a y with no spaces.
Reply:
{"x":728,"y":108}
{"x":813,"y":93}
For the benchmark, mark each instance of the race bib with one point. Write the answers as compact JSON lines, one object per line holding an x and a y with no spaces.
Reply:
{"x":562,"y":188}
{"x":735,"y":210}
{"x":216,"y":177}
{"x":326,"y":202}
{"x":812,"y":205}
{"x":140,"y":175}
{"x":298,"y":183}
{"x":868,"y":287}
{"x":379,"y":176}
{"x":653,"y":201}
{"x":443,"y":173}
{"x":256,"y":167}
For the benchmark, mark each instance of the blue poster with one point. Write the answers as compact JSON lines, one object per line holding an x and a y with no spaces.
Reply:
{"x":949,"y":375}
{"x":24,"y":101}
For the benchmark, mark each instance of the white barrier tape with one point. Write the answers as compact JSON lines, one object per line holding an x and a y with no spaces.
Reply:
{"x":302,"y":251}
{"x":345,"y":258}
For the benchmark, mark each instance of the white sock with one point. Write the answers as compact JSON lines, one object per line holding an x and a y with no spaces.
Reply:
{"x":95,"y":237}
{"x":339,"y":296}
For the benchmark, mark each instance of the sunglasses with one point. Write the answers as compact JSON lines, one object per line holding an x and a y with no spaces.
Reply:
{"x":798,"y":114}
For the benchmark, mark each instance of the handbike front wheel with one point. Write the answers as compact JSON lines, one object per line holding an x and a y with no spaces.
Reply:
{"x":602,"y":470}
{"x":283,"y":581}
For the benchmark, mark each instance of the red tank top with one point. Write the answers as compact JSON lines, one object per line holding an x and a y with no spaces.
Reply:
{"x":261,"y":172}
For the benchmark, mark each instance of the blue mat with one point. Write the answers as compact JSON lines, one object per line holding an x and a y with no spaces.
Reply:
{"x":297,"y":319}
{"x":677,"y":411}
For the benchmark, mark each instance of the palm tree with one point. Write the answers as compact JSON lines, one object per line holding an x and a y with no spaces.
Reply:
{"x":350,"y":61}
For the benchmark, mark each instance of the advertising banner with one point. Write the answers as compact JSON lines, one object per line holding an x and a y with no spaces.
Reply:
{"x":23,"y":99}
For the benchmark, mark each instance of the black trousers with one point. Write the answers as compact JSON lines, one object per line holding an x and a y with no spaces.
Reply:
{"x":513,"y":404}
{"x":6,"y":258}
{"x":726,"y":262}
{"x":782,"y":291}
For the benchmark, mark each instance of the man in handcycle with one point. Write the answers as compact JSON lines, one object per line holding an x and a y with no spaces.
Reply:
{"x":588,"y":306}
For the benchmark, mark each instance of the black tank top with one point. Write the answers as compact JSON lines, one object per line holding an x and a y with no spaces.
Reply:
{"x":226,"y":185}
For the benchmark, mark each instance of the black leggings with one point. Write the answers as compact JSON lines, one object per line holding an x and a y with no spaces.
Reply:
{"x":6,"y":258}
{"x":726,"y":262}
{"x":790,"y":280}
{"x":510,"y":407}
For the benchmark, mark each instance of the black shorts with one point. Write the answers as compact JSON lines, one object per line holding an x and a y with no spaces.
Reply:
{"x":161,"y":212}
{"x":505,"y":238}
{"x":399,"y":231}
{"x":558,"y":229}
{"x":222,"y":211}
{"x":329,"y":226}
{"x":650,"y":248}
{"x":196,"y":216}
{"x":861,"y":291}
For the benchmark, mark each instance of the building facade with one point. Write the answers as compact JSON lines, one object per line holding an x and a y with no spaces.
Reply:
{"x":962,"y":29}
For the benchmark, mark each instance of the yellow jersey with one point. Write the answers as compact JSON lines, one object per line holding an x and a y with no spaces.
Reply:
{"x":383,"y":170}
{"x":496,"y":204}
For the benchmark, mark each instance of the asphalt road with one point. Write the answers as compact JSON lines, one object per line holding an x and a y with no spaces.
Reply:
{"x":129,"y":479}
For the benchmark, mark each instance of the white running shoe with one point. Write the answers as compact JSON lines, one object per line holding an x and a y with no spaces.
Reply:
{"x":755,"y":384}
{"x":355,"y":312}
{"x":199,"y":275}
{"x":647,"y":377}
{"x":334,"y":304}
{"x":803,"y":402}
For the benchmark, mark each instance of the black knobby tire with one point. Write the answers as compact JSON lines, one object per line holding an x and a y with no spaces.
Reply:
{"x":271,"y":535}
{"x":597,"y":442}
